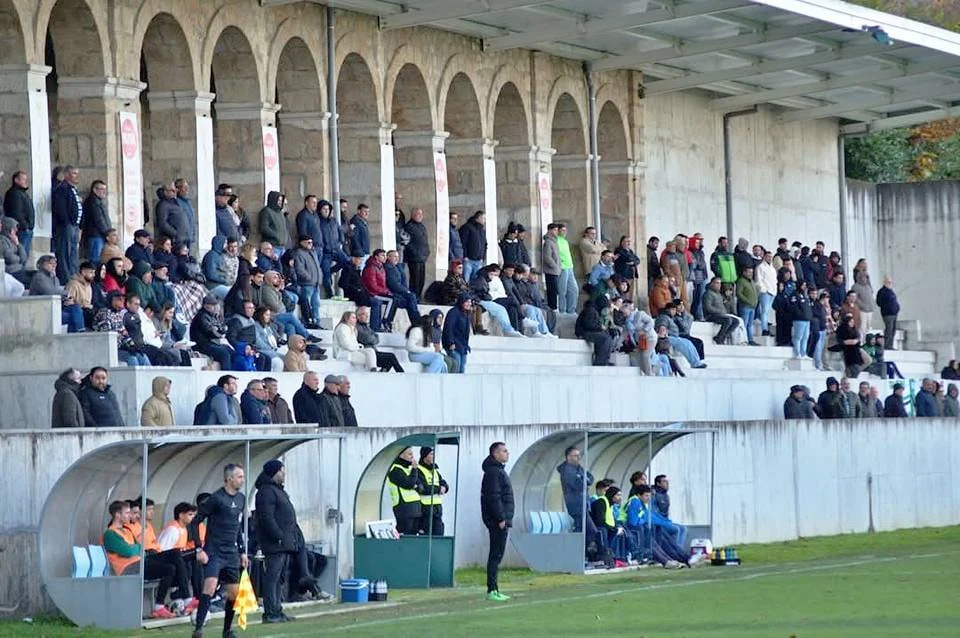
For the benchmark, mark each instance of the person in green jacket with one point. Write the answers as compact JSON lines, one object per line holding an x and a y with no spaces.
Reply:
{"x":273,"y":223}
{"x":722,"y":263}
{"x":140,"y":282}
{"x":747,"y":298}
{"x":567,"y":289}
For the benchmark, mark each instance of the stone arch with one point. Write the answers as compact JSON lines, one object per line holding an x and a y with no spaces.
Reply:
{"x":466,"y":150}
{"x":575,"y":90}
{"x":15,"y":150}
{"x":12,"y":34}
{"x":457,"y":69}
{"x":357,"y":91}
{"x":570,"y":183}
{"x":300,"y":52}
{"x":171,"y":19}
{"x":567,"y":127}
{"x":167,"y":55}
{"x":301,"y":127}
{"x":504,"y":88}
{"x":461,"y":109}
{"x":411,"y":104}
{"x":615,"y":173}
{"x":83,"y":49}
{"x":514,"y":154}
{"x":234,"y":69}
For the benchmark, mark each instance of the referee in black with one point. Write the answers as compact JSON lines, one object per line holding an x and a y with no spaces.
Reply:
{"x":224,"y":546}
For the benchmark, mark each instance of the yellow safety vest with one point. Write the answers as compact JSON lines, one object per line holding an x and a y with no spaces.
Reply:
{"x":397,"y":493}
{"x":432,"y":476}
{"x":608,"y":514}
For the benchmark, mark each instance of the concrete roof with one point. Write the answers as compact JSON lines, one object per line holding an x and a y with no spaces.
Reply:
{"x":815,"y":58}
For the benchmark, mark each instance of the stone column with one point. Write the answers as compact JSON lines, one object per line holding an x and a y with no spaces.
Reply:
{"x":472,"y":174}
{"x":304,"y":155}
{"x":181,"y":145}
{"x":571,"y":192}
{"x":421,"y":176}
{"x":366,"y":176}
{"x":88,"y":134}
{"x":518,"y":169}
{"x":617,"y":201}
{"x":239,"y":153}
{"x":25,"y":134}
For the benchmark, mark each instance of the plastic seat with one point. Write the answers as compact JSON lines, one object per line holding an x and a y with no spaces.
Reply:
{"x":567,"y":522}
{"x":98,"y":561}
{"x":536,"y":523}
{"x":547,"y":523}
{"x":556,"y":522}
{"x":81,"y":562}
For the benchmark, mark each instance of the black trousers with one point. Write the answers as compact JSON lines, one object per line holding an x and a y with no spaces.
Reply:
{"x":498,"y":545}
{"x":602,"y":345}
{"x":697,"y":344}
{"x":552,"y":285}
{"x":153,"y":570}
{"x":434,"y":513}
{"x":418,"y":274}
{"x":513,"y":312}
{"x":174,"y":558}
{"x":274,"y":568}
{"x":406,"y":524}
{"x":388,"y":361}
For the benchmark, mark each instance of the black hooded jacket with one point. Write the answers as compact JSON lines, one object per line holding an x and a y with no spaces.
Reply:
{"x":100,"y":407}
{"x":276,"y":518}
{"x":496,"y":494}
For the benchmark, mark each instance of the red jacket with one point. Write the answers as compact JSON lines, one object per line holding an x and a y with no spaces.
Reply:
{"x":375,"y":278}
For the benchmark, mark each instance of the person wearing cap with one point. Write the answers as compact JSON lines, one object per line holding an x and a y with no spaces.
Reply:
{"x":510,"y":246}
{"x":277,"y":535}
{"x":893,"y":406}
{"x":830,"y":401}
{"x":798,"y":405}
{"x":601,"y":511}
{"x":140,"y":249}
{"x":306,"y":274}
{"x":431,"y":495}
{"x":406,"y":484}
{"x":330,"y":400}
{"x":208,"y":331}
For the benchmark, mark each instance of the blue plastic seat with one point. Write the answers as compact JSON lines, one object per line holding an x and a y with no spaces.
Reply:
{"x":81,"y":562}
{"x":98,"y":561}
{"x":566,"y":522}
{"x":547,"y":523}
{"x":536,"y":523}
{"x":556,"y":522}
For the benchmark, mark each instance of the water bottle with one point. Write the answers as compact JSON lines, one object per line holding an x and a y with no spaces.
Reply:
{"x":629,"y":558}
{"x":383,"y":590}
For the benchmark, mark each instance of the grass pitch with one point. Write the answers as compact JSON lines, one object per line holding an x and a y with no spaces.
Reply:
{"x":891,"y":584}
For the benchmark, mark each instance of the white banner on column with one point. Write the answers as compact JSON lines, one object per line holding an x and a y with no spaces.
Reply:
{"x":271,"y":161}
{"x":546,"y":200}
{"x":490,"y":208}
{"x":40,"y":161}
{"x":443,"y":211}
{"x":206,"y":206}
{"x":130,"y":150}
{"x":388,"y":222}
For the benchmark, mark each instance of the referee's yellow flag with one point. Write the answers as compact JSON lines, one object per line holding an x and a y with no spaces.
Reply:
{"x":246,"y":600}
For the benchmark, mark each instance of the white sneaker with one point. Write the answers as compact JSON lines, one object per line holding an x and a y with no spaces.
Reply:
{"x":672,"y":564}
{"x":550,"y":335}
{"x":519,"y":335}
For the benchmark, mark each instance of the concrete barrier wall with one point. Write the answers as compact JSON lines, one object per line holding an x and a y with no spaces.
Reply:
{"x":774,"y":481}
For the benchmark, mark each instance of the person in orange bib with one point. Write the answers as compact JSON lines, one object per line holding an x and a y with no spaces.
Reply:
{"x":175,"y":537}
{"x":183,"y":602}
{"x":123,"y":553}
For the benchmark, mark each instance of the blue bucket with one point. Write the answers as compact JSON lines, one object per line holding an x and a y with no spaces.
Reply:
{"x":354,"y":590}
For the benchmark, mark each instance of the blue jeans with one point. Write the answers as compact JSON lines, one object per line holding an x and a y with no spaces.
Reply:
{"x":26,"y":240}
{"x":66,"y":248}
{"x":818,"y":349}
{"x":697,"y":309}
{"x":747,"y":315}
{"x":460,"y":358}
{"x":94,"y":248}
{"x":433,"y":361}
{"x":685,"y":348}
{"x":310,"y":301}
{"x":133,"y":358}
{"x":72,"y":316}
{"x":326,"y":265}
{"x":567,"y":291}
{"x":290,"y":324}
{"x":764,"y":307}
{"x":662,"y":363}
{"x":470,"y":267}
{"x":407,"y":301}
{"x":499,"y":313}
{"x":799,"y":334}
{"x":535,"y":314}
{"x":220,"y":291}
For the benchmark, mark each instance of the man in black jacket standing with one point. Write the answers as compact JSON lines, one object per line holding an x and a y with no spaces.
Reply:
{"x":496,"y":509}
{"x":18,"y":205}
{"x":277,"y":536}
{"x":417,"y":251}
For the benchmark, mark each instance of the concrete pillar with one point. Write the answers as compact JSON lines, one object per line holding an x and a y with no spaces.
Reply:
{"x":571,"y":192}
{"x":472,"y":175}
{"x":367,"y":176}
{"x":304,"y":155}
{"x":88,"y":134}
{"x":239,"y":150}
{"x":518,"y":169}
{"x":618,"y":204}
{"x":421,"y":176}
{"x":25,"y":134}
{"x":181,"y":145}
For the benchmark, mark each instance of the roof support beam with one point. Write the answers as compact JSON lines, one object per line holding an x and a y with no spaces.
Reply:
{"x":564,"y":29}
{"x":891,"y":99}
{"x":451,"y":10}
{"x":698,"y":47}
{"x":694,"y":80}
{"x":898,"y":121}
{"x":837,"y":82}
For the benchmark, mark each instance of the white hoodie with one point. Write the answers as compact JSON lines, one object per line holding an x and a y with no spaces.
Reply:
{"x":766,"y":276}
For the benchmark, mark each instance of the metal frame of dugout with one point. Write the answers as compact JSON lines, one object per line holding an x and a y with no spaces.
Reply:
{"x":606,"y":454}
{"x":168,"y":469}
{"x":410,"y":561}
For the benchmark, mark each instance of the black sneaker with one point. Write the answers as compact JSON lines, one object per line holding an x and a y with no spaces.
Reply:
{"x":269,"y":620}
{"x":197,"y":633}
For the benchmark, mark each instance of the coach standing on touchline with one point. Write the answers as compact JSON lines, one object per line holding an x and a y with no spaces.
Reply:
{"x":496,"y":509}
{"x":277,"y":534}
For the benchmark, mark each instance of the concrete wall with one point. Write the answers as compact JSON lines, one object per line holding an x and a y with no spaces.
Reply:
{"x":453,"y":400}
{"x":774,"y":482}
{"x":784,"y":175}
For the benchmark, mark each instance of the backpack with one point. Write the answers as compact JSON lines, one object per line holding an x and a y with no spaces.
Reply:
{"x":434,"y":293}
{"x":201,"y":413}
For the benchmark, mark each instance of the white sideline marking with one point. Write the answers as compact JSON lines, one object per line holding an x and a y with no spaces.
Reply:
{"x":648,"y":587}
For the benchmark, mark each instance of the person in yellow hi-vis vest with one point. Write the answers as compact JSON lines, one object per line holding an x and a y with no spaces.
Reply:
{"x":431,"y":495}
{"x":405,"y":483}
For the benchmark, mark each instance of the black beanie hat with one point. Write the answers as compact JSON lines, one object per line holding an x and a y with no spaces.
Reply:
{"x":424,"y":451}
{"x":270,"y":468}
